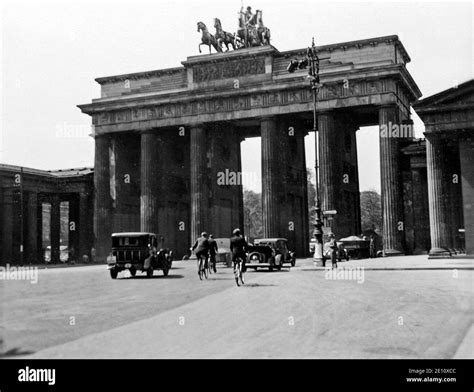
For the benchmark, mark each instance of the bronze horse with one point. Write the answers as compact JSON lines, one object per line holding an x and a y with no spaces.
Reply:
{"x":223,"y":37}
{"x":207,"y":38}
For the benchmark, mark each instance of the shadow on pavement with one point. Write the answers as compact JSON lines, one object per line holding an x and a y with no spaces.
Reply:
{"x":170,"y":276}
{"x":394,"y":269}
{"x":14,"y":352}
{"x":257,"y":285}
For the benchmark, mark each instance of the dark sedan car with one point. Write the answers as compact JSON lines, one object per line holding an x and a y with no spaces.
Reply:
{"x":138,"y":251}
{"x":270,"y":253}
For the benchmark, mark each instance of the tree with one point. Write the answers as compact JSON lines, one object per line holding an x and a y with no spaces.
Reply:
{"x":253,"y":214}
{"x":371,"y":210}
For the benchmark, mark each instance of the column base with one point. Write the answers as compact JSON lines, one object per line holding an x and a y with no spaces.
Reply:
{"x":436,"y":253}
{"x":392,"y":252}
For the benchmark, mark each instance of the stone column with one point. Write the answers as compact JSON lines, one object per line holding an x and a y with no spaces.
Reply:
{"x":7,"y":229}
{"x":437,"y":208}
{"x":199,"y":180}
{"x":55,"y":228}
{"x":31,"y":240}
{"x":102,"y":198}
{"x":83,"y":230}
{"x":448,"y":170}
{"x":270,"y":177}
{"x":393,"y":224}
{"x":149,"y":182}
{"x":328,"y":177}
{"x":466,"y":154}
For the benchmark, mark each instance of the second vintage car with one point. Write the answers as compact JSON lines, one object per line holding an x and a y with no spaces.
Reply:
{"x":138,"y":251}
{"x":270,"y":253}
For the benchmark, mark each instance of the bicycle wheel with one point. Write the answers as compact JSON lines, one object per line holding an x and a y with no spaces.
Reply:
{"x":237,"y":272}
{"x":199,"y":265}
{"x":242,"y":273}
{"x":205,"y":268}
{"x":209,"y":267}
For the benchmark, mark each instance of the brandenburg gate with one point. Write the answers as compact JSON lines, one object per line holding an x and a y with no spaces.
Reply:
{"x":162,"y":137}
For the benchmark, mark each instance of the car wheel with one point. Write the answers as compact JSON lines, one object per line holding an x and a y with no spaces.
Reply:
{"x":113,"y":273}
{"x":255,"y":256}
{"x":278,"y":262}
{"x":149,"y":272}
{"x":133,"y":272}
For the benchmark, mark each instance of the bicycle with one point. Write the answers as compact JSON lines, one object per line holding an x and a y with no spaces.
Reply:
{"x":238,"y":273}
{"x":202,"y":268}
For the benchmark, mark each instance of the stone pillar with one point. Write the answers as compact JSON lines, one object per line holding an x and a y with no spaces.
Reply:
{"x":466,"y":154}
{"x":127,"y":153}
{"x":199,"y":189}
{"x":82,"y":229}
{"x":7,"y":229}
{"x":448,"y":169}
{"x":32,"y":225}
{"x":102,"y":198}
{"x":270,"y":178}
{"x":39,"y":229}
{"x":392,"y":211}
{"x":327,"y":165}
{"x":149,"y":182}
{"x":437,"y":208}
{"x":55,"y":228}
{"x":421,"y":222}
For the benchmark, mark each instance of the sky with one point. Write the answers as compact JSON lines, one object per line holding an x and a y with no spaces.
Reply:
{"x":51,"y":52}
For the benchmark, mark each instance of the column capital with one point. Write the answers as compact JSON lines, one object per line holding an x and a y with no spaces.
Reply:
{"x":325,"y":112}
{"x":267,"y":118}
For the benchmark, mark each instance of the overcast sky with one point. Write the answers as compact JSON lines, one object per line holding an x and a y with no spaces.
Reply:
{"x":53,"y":50}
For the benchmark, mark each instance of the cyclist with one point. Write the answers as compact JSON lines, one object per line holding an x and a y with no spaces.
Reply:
{"x":212,"y":251}
{"x":238,"y":247}
{"x":202,"y":247}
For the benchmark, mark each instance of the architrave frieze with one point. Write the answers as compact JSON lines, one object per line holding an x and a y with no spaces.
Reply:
{"x":249,"y":104}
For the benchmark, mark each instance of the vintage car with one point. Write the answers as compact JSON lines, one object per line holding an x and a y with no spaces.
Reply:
{"x":356,"y":247}
{"x":138,"y":251}
{"x":270,"y":253}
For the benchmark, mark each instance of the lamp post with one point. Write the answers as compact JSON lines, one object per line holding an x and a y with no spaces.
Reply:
{"x":312,"y":59}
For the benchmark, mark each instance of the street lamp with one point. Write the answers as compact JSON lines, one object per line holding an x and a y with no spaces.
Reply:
{"x":312,"y":59}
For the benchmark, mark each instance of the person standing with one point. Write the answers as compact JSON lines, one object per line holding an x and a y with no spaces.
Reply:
{"x":372,"y":247}
{"x":333,"y":249}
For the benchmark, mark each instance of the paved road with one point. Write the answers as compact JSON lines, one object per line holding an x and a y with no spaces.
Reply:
{"x":404,"y":308}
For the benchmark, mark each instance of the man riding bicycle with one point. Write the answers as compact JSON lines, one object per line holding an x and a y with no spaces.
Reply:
{"x":202,"y":247}
{"x":238,"y":247}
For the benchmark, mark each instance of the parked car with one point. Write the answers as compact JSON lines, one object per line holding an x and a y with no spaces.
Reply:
{"x":270,"y":253}
{"x":342,"y":253}
{"x":356,"y":247}
{"x":138,"y":251}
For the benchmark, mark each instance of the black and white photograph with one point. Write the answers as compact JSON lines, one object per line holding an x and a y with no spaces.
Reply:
{"x":227,"y":180}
